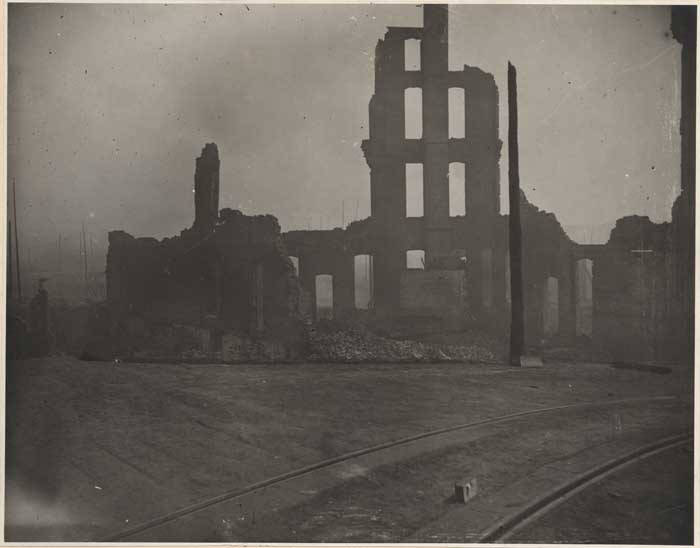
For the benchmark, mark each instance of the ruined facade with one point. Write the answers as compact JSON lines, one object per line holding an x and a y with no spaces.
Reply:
{"x":633,"y":305}
{"x":619,"y":299}
{"x":235,"y":278}
{"x":684,"y":28}
{"x":389,"y":233}
{"x":387,"y":152}
{"x":447,"y":242}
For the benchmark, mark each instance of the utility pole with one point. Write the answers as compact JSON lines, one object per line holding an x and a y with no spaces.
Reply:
{"x":17,"y":267}
{"x":9,"y":258}
{"x":371,"y":281}
{"x":516,"y":272}
{"x":343,"y":225}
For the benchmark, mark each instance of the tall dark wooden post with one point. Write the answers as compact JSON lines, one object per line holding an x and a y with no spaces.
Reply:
{"x":17,"y":265}
{"x":515,"y":234}
{"x":9,"y":260}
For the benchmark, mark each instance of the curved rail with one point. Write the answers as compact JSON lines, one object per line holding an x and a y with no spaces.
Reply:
{"x":235,"y":493}
{"x":502,"y":529}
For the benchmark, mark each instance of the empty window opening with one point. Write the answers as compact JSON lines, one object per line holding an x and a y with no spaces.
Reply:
{"x":295,"y":263}
{"x":486,"y":278}
{"x":411,"y":50}
{"x":415,"y":259}
{"x":455,"y":105}
{"x":458,"y":201}
{"x":414,"y":190}
{"x":363,"y":282}
{"x":550,"y":307}
{"x":413,"y":102}
{"x":324,"y":297}
{"x":584,"y":298}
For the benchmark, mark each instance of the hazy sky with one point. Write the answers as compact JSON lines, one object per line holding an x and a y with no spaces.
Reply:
{"x":110,"y":104}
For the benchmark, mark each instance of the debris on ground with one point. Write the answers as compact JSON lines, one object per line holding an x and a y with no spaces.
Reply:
{"x":358,"y":345}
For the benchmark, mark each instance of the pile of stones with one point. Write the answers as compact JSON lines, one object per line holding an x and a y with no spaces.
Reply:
{"x":354,"y":345}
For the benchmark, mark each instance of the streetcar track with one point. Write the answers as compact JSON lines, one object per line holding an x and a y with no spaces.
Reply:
{"x":299,"y":472}
{"x":504,"y":528}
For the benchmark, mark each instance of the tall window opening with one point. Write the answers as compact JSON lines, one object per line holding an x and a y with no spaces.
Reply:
{"x":458,"y":200}
{"x":550,"y":307}
{"x":411,"y":50}
{"x":363,"y":282}
{"x":413,"y":108}
{"x":414,"y":190}
{"x":324,"y":296}
{"x":456,"y":105}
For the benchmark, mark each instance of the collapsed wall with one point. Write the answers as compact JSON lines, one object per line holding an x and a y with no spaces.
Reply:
{"x":230,"y":273}
{"x":548,"y":277}
{"x":575,"y":296}
{"x":632,"y":298}
{"x":215,"y":288}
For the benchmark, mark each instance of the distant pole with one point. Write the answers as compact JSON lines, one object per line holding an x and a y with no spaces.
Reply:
{"x":60,"y":265}
{"x":17,"y":266}
{"x":516,"y":273}
{"x":80,"y":255}
{"x":343,"y":225}
{"x":92,"y":247}
{"x":357,"y":208}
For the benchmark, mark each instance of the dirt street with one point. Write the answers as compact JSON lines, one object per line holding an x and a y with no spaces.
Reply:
{"x":94,"y":448}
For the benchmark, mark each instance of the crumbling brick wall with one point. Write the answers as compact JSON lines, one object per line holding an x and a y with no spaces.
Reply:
{"x":241,"y":243}
{"x":547,"y":252}
{"x":228,"y":273}
{"x":204,"y":280}
{"x":632,"y":299}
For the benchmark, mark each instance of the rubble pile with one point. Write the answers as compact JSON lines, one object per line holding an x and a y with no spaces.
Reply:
{"x":357,"y":345}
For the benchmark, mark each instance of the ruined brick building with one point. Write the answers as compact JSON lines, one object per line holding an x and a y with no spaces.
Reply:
{"x":629,"y":298}
{"x":389,"y":234}
{"x":209,"y":289}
